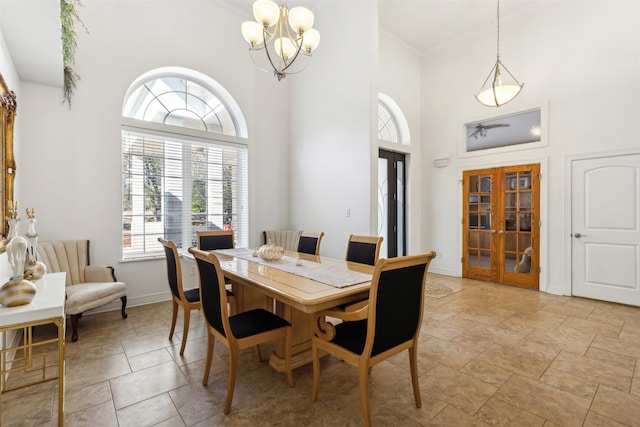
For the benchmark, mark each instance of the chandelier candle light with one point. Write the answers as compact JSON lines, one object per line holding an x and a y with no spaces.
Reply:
{"x":496,"y":92}
{"x":288,"y":40}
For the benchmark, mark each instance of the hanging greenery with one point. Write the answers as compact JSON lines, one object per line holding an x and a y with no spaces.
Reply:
{"x":68,"y":16}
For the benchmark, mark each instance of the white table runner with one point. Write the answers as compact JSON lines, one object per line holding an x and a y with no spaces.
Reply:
{"x":327,"y":274}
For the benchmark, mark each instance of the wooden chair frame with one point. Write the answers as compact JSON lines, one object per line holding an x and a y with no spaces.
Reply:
{"x":181,"y":300}
{"x":364,"y":362}
{"x":233,"y":344}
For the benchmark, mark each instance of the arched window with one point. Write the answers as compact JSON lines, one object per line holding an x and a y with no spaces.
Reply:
{"x":392,"y":125}
{"x":184,"y":161}
{"x":387,"y":129}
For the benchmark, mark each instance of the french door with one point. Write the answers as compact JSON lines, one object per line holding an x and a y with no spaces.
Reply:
{"x":391,"y":209}
{"x":501,"y":218}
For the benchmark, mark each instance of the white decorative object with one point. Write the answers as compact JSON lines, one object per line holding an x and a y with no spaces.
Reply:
{"x":17,"y":291}
{"x":270,"y":252}
{"x":12,"y":219}
{"x":34,"y":269}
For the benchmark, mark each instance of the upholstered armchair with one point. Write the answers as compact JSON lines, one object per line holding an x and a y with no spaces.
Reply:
{"x":287,"y":239}
{"x":87,"y":286}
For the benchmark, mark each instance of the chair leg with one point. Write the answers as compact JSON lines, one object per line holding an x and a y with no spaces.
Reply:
{"x":207,"y":367}
{"x":74,"y":326}
{"x":413,"y":363}
{"x":174,"y":317}
{"x":185,"y":329}
{"x":364,"y":393}
{"x":124,"y":306}
{"x":233,"y":372}
{"x":316,"y":368}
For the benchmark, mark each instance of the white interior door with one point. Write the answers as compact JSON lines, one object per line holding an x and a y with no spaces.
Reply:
{"x":605,"y":211}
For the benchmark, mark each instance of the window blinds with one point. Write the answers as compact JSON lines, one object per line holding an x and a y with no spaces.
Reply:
{"x":173,"y":187}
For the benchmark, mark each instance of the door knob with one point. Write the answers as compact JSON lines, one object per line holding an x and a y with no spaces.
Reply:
{"x":501,"y":232}
{"x":578,"y":235}
{"x":493,"y":231}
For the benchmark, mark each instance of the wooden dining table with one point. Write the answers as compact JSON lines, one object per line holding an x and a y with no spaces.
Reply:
{"x":294,"y":297}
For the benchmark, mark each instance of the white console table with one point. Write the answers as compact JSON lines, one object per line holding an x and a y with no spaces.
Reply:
{"x":47,"y":307}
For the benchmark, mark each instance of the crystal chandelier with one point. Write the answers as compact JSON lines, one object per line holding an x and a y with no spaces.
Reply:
{"x":504,"y":87}
{"x":282,"y":43}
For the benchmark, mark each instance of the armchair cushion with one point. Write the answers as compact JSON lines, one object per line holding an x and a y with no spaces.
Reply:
{"x":86,"y":296}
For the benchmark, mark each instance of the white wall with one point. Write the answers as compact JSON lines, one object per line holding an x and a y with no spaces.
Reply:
{"x":580,"y":58}
{"x":400,"y":78}
{"x":70,"y":167}
{"x":331,"y":127}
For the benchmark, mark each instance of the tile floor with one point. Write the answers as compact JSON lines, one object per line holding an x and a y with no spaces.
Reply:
{"x":490,"y":355}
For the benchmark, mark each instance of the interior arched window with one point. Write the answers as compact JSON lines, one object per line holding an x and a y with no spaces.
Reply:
{"x":184,"y":162}
{"x":392,"y":125}
{"x":387,"y":129}
{"x":178,"y":101}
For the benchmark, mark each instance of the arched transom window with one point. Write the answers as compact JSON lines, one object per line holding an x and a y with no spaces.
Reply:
{"x":177,"y":101}
{"x":387,"y":129}
{"x":392,"y":125}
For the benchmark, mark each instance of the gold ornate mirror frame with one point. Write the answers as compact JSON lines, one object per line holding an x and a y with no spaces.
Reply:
{"x":8,"y":165}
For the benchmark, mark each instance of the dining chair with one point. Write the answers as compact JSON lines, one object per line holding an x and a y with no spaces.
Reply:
{"x":387,"y":325}
{"x":239,"y":331}
{"x":210,"y":240}
{"x":188,"y":300}
{"x":309,"y":242}
{"x":363,"y":249}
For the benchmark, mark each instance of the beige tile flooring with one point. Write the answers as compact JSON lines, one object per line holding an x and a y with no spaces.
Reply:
{"x":490,"y":355}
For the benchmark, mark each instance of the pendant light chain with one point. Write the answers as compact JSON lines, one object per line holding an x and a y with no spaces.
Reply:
{"x":498,"y":37}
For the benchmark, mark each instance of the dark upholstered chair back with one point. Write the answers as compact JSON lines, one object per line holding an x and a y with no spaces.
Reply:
{"x":212,"y":294}
{"x":309,"y":243}
{"x":173,"y":269}
{"x":398,"y":308}
{"x":363,"y":249}
{"x":217,"y":239}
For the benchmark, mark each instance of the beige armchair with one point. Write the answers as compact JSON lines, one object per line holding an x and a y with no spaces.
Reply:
{"x":288,"y":239}
{"x":87,"y":286}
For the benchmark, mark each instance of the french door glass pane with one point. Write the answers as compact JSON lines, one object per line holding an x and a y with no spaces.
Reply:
{"x":400,"y":207}
{"x":383,"y":204}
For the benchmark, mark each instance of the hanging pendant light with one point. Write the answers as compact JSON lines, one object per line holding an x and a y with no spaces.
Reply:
{"x":503,"y":87}
{"x":292,"y":34}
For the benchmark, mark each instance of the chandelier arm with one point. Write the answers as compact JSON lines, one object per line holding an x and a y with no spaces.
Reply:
{"x":492,"y":71}
{"x":292,"y":60}
{"x":512,"y":76}
{"x":276,"y":72}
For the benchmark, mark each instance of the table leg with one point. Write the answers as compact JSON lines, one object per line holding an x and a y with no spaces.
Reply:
{"x":61,"y":369}
{"x":302,"y":325}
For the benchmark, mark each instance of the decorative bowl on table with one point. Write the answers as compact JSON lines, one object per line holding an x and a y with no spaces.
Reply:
{"x":270,"y":252}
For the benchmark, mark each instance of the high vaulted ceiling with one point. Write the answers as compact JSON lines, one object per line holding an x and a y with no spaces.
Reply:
{"x":32,"y":27}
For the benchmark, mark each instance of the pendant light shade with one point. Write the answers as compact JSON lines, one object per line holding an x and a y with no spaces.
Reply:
{"x":500,"y":86}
